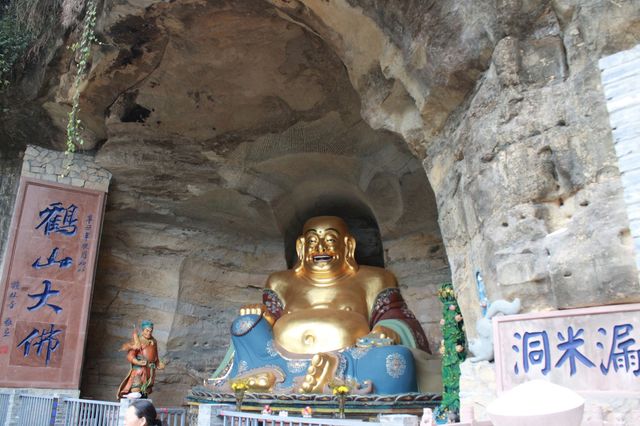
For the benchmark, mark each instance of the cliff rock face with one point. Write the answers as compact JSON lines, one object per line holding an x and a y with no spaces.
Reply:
{"x":525,"y":174}
{"x":227,"y":123}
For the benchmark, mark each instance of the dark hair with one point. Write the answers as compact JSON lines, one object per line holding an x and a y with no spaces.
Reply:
{"x":145,"y":409}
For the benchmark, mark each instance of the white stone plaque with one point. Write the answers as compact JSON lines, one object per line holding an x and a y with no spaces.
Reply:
{"x":590,"y":349}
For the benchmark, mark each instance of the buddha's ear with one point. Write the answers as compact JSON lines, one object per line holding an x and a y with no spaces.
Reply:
{"x":300,"y":248}
{"x":350,"y":251}
{"x":350,"y":246}
{"x":300,"y":252}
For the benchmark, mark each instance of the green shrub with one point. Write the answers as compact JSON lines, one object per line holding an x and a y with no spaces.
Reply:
{"x":13,"y":44}
{"x":26,"y":27}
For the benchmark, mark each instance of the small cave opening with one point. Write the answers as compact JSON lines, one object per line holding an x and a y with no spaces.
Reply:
{"x":128,"y":110}
{"x":135,"y":113}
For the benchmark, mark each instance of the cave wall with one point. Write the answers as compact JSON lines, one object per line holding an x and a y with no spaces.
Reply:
{"x":226,"y":124}
{"x":222,"y":120}
{"x":190,"y":259}
{"x":525,"y":173}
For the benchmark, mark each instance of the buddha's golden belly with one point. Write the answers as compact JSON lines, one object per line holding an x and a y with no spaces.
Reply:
{"x":319,"y":330}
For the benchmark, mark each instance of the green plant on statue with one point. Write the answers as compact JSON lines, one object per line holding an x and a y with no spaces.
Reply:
{"x":452,"y":350}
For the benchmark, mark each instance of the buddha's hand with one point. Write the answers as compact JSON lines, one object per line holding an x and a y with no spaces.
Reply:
{"x":258,"y":309}
{"x":379,"y":336}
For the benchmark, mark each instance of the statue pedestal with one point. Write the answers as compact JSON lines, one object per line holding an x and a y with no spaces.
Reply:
{"x":355,"y":405}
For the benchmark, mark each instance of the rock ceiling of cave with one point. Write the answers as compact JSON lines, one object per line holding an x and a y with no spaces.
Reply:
{"x":217,"y":74}
{"x":203,"y":101}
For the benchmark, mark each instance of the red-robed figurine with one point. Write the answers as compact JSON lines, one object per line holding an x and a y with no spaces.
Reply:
{"x":142,"y":354}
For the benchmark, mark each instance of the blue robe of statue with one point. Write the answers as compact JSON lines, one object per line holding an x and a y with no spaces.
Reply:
{"x":390,"y":369}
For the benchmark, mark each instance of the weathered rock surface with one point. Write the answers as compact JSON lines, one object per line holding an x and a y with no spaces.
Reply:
{"x":226,"y":123}
{"x":525,"y":174}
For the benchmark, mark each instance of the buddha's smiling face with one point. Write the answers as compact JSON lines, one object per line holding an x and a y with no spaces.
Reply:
{"x":322,"y":249}
{"x":325,"y":240}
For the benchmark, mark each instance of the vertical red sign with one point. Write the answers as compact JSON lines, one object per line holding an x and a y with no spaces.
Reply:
{"x":47,"y":284}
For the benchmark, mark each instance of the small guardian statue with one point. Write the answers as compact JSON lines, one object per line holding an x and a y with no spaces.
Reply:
{"x":142,"y":354}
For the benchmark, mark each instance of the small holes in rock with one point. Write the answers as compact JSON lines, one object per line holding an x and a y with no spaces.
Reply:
{"x":585,"y":203}
{"x":567,"y":274}
{"x":505,"y":224}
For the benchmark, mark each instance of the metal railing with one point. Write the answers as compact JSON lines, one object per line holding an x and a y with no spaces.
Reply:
{"x":37,"y":410}
{"x":172,"y":416}
{"x":4,"y":406}
{"x":236,"y":418}
{"x":84,"y":412}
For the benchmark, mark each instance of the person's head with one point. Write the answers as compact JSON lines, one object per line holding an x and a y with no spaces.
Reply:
{"x":147,"y":329}
{"x":141,"y":412}
{"x":325,"y":249}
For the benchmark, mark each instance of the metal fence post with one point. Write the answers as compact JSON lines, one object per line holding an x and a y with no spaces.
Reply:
{"x":204,"y":415}
{"x":124,"y":405}
{"x":12,"y":409}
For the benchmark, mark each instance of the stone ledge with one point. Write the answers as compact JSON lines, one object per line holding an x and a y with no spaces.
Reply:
{"x":79,"y":170}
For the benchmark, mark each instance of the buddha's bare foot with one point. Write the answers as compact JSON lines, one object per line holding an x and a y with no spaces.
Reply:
{"x":257,"y":380}
{"x":261,"y":382}
{"x":320,"y":373}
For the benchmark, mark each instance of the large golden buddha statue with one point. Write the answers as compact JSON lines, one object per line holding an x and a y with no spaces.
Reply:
{"x":327,"y":319}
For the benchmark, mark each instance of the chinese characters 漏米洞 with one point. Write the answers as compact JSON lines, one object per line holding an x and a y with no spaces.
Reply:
{"x":536,"y":351}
